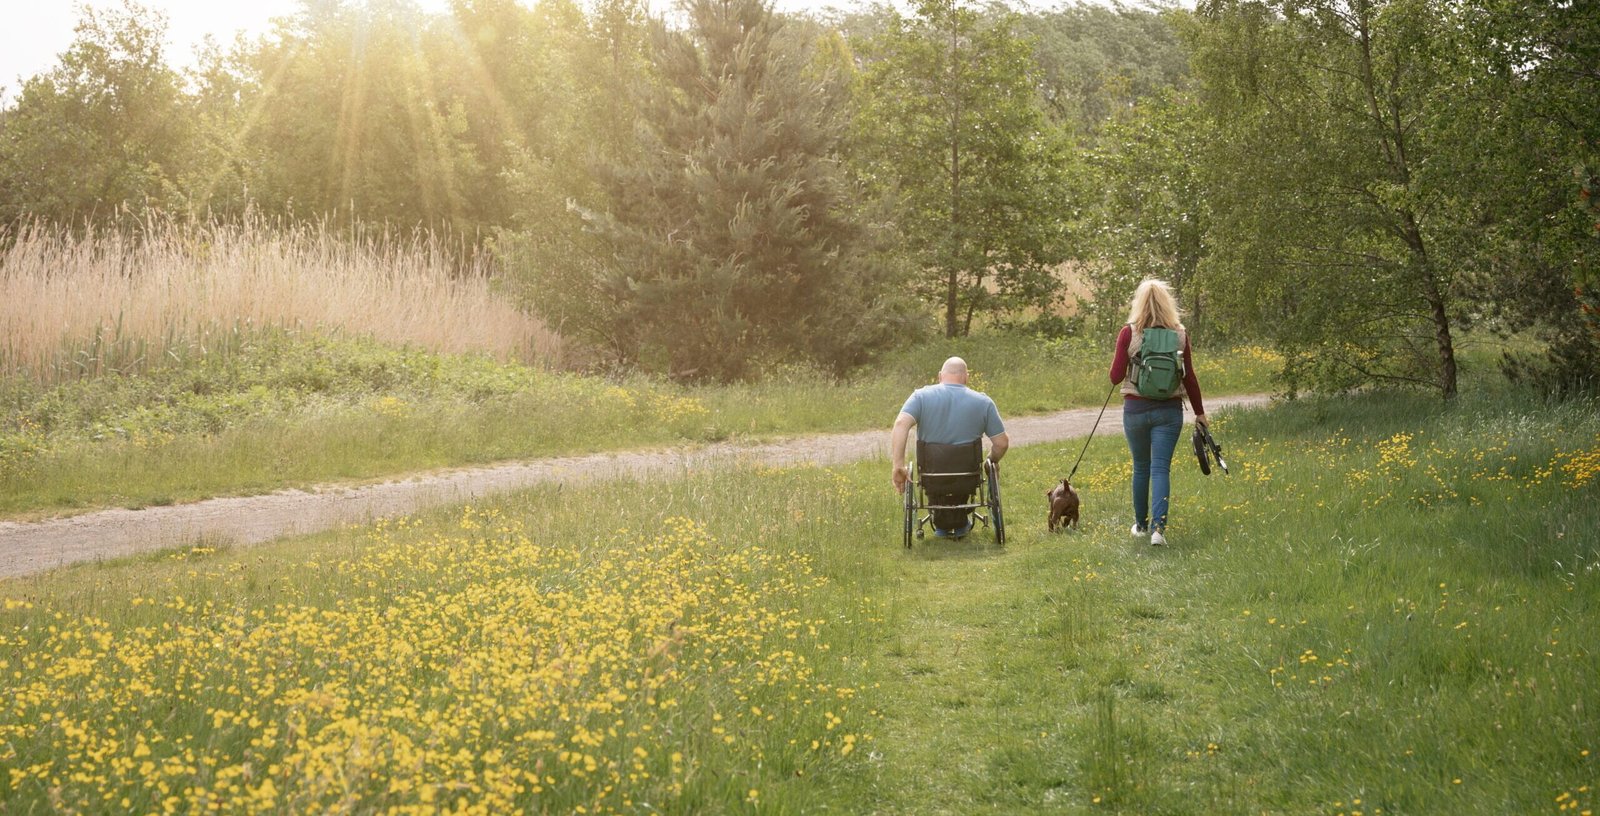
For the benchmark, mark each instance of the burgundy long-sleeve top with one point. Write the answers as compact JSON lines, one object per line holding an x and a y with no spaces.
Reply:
{"x":1119,"y":369}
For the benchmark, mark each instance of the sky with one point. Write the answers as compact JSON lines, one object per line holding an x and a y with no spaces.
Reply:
{"x":37,"y":31}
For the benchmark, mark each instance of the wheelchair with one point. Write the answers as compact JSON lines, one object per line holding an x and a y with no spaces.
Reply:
{"x":943,"y":481}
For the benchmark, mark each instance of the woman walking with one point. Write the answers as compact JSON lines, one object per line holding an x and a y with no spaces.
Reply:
{"x":1152,"y":410}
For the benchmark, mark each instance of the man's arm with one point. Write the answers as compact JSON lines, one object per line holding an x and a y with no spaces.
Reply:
{"x":996,"y":431}
{"x":997,"y":447}
{"x":897,"y":450}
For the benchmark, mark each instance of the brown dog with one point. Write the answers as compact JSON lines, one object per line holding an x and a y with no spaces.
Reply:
{"x":1063,"y":506}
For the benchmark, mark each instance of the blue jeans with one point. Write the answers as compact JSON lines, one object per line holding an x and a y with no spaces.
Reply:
{"x":1152,"y":433}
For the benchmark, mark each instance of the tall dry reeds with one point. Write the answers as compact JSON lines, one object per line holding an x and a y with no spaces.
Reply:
{"x":83,"y":304}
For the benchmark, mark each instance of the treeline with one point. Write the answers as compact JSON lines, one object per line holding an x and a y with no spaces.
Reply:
{"x":712,"y":189}
{"x":1378,"y":176}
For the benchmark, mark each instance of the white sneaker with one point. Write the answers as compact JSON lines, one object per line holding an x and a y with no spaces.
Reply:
{"x":1157,"y":539}
{"x":1138,"y":530}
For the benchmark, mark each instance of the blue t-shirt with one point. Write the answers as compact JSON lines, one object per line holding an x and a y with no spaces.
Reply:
{"x":951,"y":414}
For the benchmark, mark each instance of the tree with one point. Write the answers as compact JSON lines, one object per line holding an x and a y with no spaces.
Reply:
{"x":1529,"y":178}
{"x":1332,"y":224}
{"x":727,"y":218}
{"x":1096,"y":61}
{"x":350,"y":117}
{"x":1152,"y":215}
{"x":583,"y":69}
{"x":950,"y":130}
{"x":104,"y":130}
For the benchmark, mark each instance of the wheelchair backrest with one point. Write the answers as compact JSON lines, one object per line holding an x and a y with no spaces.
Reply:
{"x":950,"y":468}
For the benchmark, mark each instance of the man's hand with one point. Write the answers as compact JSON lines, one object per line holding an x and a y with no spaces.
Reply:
{"x":901,"y":477}
{"x":1200,"y":419}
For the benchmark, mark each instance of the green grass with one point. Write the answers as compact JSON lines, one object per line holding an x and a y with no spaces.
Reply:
{"x":285,"y":410}
{"x":1386,"y":608}
{"x":1344,"y":624}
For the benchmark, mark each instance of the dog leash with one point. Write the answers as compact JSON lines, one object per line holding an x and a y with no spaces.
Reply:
{"x":1092,"y":429}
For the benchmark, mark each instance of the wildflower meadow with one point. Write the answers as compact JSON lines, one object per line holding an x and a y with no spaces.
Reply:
{"x":1384,"y":609}
{"x":465,"y":665}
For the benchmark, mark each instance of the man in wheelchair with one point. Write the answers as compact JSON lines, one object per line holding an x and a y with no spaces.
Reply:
{"x":951,"y":421}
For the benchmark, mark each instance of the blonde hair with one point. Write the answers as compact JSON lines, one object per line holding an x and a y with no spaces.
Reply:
{"x":1154,"y":305}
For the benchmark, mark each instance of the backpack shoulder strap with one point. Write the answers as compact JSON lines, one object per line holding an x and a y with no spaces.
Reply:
{"x":1169,"y":340}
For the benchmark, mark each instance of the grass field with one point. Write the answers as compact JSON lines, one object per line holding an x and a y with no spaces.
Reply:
{"x":1386,"y":608}
{"x":281,"y":409}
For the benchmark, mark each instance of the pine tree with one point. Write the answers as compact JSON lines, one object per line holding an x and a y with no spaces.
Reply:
{"x":727,"y":221}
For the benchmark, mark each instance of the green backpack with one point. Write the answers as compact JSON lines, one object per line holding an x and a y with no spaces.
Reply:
{"x":1157,"y":369}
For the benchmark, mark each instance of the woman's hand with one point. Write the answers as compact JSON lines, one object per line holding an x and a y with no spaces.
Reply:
{"x":1200,"y":419}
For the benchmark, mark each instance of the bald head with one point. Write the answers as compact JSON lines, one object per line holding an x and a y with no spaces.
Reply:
{"x":954,"y":371}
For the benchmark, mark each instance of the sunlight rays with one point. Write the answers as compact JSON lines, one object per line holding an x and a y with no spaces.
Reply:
{"x":386,"y":69}
{"x":350,"y":129}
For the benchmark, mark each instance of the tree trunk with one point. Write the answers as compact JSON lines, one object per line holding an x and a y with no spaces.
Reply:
{"x":1437,"y":308}
{"x":951,"y":288}
{"x":1393,"y":142}
{"x":1441,"y":336}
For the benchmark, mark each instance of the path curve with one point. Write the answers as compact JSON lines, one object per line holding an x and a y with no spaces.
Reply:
{"x":32,"y":547}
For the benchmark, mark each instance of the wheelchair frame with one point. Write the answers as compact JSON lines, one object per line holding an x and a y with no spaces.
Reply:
{"x":987,"y":497}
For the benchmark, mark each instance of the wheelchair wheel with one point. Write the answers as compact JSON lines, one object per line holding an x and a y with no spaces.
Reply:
{"x":991,"y":473}
{"x":911,"y":511}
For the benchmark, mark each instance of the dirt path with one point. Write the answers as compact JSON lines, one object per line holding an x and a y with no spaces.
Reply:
{"x":27,"y":548}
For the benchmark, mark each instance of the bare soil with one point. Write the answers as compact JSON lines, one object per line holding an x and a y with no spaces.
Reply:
{"x":31,"y":547}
